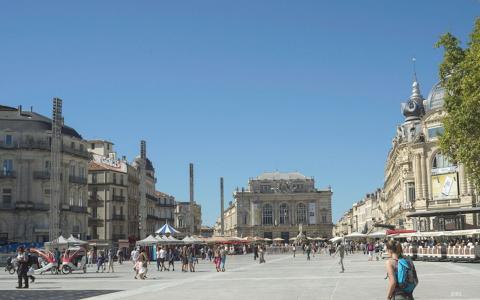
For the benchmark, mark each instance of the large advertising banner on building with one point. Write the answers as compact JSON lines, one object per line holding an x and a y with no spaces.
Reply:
{"x":312,"y":220}
{"x":445,"y":186}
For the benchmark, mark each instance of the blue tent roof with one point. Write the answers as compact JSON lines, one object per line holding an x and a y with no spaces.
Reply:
{"x":167,"y":229}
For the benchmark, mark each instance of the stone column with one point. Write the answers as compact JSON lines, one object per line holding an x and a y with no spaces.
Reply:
{"x":424,"y":173}
{"x":463,"y":180}
{"x":418,"y":177}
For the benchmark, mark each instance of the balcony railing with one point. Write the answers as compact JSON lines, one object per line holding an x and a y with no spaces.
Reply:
{"x":41,"y":174}
{"x":152,"y":217}
{"x":78,"y":209}
{"x":77,"y":180}
{"x":118,"y":217}
{"x":82,"y":153}
{"x":151,"y":197}
{"x":94,"y":221}
{"x":117,"y":198}
{"x":8,"y":174}
{"x":95,"y":202}
{"x":4,"y":206}
{"x":26,"y":144}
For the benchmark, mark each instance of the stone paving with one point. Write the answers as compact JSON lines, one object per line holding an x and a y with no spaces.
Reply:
{"x":282,"y":277}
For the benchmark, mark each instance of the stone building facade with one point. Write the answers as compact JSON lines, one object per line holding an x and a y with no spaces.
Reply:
{"x":25,"y":158}
{"x":188,"y":217}
{"x":275,"y":205}
{"x":423,"y":190}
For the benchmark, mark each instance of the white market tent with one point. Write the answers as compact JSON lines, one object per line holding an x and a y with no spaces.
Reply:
{"x":378,"y":234}
{"x":336,"y":239}
{"x":74,"y":240}
{"x":149,"y":241}
{"x":355,"y":235}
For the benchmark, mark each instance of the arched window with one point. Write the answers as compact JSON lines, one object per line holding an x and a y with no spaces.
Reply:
{"x":301,"y":213}
{"x":441,"y":161}
{"x":267,"y":214}
{"x":284,"y":218}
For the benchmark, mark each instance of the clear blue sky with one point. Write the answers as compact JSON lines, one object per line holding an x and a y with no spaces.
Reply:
{"x":236,"y":87}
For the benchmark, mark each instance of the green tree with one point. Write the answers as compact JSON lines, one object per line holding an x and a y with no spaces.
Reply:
{"x":460,"y":76}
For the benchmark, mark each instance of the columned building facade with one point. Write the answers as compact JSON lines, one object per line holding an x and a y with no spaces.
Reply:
{"x":276,"y":205}
{"x":423,"y":189}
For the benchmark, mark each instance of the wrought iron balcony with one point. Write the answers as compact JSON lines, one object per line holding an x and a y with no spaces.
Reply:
{"x":8,"y":174}
{"x":77,"y":152}
{"x":78,"y":209}
{"x":95,"y":202}
{"x":117,"y":198}
{"x":118,"y":217}
{"x":94,"y":221}
{"x":41,"y":175}
{"x":77,"y":180}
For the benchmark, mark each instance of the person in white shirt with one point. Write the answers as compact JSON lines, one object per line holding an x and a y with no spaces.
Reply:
{"x":162,"y":254}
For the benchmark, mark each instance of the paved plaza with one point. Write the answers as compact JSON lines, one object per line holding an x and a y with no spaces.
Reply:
{"x":282,"y":277}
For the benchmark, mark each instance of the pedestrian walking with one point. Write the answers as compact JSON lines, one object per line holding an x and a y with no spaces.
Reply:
{"x":223,"y":257}
{"x":218,"y":259}
{"x":308,"y":249}
{"x":402,"y":277}
{"x":171,"y":259}
{"x":110,"y":261}
{"x":120,"y":256}
{"x":31,"y":262}
{"x":341,"y":252}
{"x":90,"y":258}
{"x":142,"y":265}
{"x":162,"y":254}
{"x":255,"y":252}
{"x":261,"y":252}
{"x":22,"y":261}
{"x":101,"y":262}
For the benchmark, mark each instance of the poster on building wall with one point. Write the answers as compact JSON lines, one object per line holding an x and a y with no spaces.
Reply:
{"x":445,"y":186}
{"x":311,"y":213}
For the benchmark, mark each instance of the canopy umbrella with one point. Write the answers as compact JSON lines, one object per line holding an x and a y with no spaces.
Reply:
{"x":336,"y":239}
{"x":74,"y":240}
{"x":355,"y":235}
{"x":149,"y":241}
{"x":267,"y":240}
{"x":293,"y":239}
{"x":378,"y":234}
{"x":278,"y":240}
{"x":167,"y":229}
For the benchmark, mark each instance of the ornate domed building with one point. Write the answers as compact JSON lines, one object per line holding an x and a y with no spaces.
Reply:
{"x":423,"y":190}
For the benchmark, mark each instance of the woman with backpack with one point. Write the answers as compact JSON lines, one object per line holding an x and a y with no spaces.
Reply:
{"x":402,"y":277}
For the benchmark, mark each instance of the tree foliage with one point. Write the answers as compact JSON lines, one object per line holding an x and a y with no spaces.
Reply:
{"x":460,"y":76}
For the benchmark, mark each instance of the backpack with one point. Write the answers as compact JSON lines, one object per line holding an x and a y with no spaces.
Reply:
{"x":407,"y":279}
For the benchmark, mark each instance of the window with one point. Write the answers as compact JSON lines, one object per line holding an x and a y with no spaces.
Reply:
{"x":265,"y":188}
{"x":94,"y":178}
{"x":47,"y":165}
{"x":301,"y":213}
{"x":324,"y":219}
{"x":410,"y":192}
{"x":8,"y":139}
{"x":440,"y":161}
{"x":245,"y":219}
{"x":435,"y":132}
{"x":72,"y":170}
{"x":7,"y":196}
{"x":81,"y":147}
{"x":72,"y":145}
{"x":7,"y":166}
{"x":92,"y":146}
{"x":284,"y":218}
{"x":267,"y":214}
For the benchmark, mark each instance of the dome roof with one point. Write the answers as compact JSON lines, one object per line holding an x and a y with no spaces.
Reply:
{"x":281,"y":176}
{"x":27,"y":121}
{"x":435,"y":98}
{"x":413,"y":109}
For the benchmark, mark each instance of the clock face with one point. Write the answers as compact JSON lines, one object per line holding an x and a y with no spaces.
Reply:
{"x":411,"y":105}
